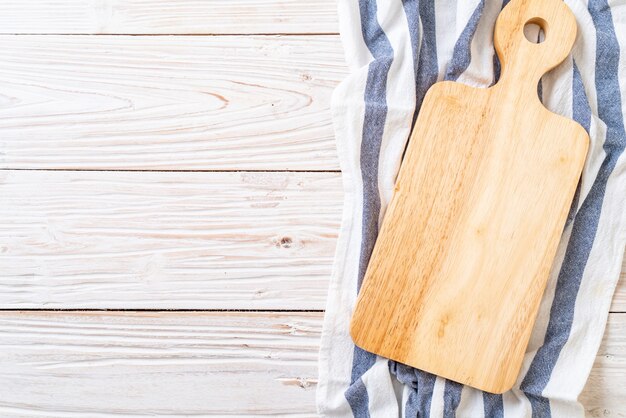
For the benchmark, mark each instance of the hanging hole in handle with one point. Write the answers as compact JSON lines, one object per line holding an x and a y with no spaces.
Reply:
{"x":535,"y":30}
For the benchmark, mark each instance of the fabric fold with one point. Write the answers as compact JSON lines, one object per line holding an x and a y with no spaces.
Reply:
{"x":396,"y":50}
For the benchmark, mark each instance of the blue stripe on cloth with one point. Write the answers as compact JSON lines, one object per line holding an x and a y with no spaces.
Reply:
{"x":425,"y":389}
{"x":427,"y":67}
{"x":581,"y":111}
{"x":411,"y":10}
{"x":585,"y":223}
{"x":493,"y":405}
{"x":462,"y":53}
{"x":362,"y":361}
{"x":421,"y":384}
{"x":451,"y":398}
{"x":497,"y":68}
{"x":582,"y":114}
{"x":373,"y":127}
{"x":357,"y":398}
{"x":406,"y":375}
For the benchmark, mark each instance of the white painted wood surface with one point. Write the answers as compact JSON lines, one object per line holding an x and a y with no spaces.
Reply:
{"x":173,"y":103}
{"x":176,"y":240}
{"x":55,"y":364}
{"x":167,"y":240}
{"x":168,"y":17}
{"x":67,"y":364}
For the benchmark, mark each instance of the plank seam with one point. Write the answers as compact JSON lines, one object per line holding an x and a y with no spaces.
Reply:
{"x":175,"y":34}
{"x":168,"y":171}
{"x":179,"y":310}
{"x":8,"y":310}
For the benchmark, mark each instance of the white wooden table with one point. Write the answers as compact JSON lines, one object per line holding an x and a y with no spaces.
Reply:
{"x":164,"y":249}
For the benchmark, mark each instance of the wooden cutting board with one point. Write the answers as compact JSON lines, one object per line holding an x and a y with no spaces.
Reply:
{"x":465,"y":248}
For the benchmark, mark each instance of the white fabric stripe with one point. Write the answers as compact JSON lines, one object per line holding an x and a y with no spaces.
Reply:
{"x":584,"y":53}
{"x":480,"y":71}
{"x":406,"y":392}
{"x":336,"y":350}
{"x":464,"y":11}
{"x":595,"y":156}
{"x":356,"y":53}
{"x":516,"y":405}
{"x":436,"y":405}
{"x":560,"y":408}
{"x":380,"y":391}
{"x":400,"y":98}
{"x":447,"y":30}
{"x":584,"y":50}
{"x":471,"y":405}
{"x":557,"y":89}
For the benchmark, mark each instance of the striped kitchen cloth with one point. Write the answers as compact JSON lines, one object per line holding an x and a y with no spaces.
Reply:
{"x":396,"y":49}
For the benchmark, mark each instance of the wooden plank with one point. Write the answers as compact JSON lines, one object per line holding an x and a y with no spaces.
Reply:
{"x":167,"y":17}
{"x":165,"y":240}
{"x":57,"y":364}
{"x":168,"y":240}
{"x":63,"y":364}
{"x":173,"y":103}
{"x":605,"y":391}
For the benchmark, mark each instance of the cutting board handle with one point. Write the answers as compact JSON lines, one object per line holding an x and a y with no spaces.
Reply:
{"x":526,"y":61}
